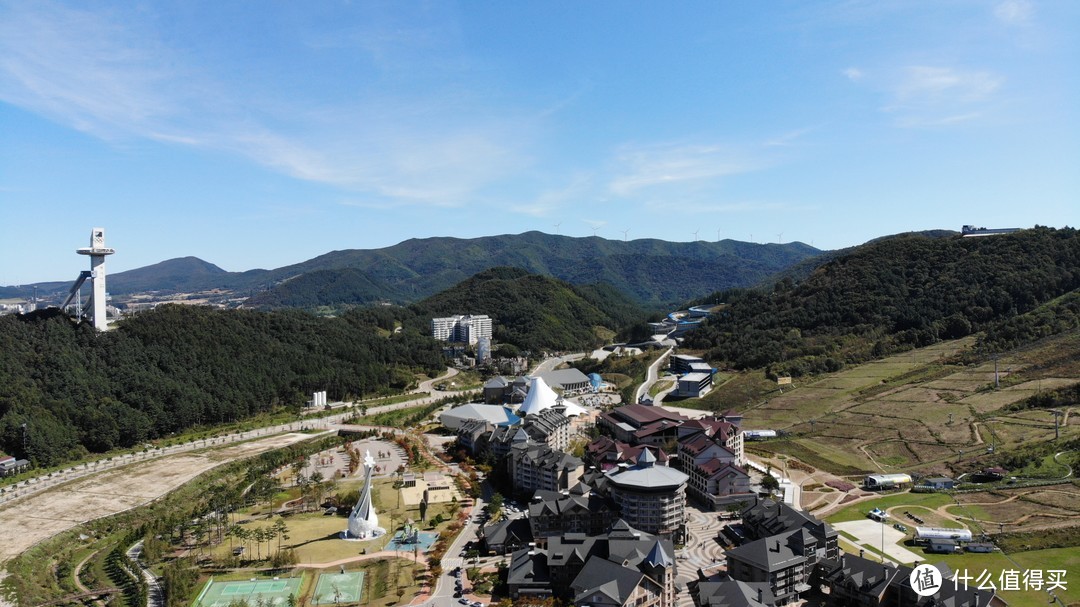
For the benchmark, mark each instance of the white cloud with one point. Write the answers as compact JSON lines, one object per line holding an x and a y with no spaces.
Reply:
{"x":943,"y":84}
{"x":790,"y":138}
{"x":937,"y":96}
{"x":550,"y":201}
{"x":1014,"y":12}
{"x":854,"y":74}
{"x":108,"y":75}
{"x":643,"y":167}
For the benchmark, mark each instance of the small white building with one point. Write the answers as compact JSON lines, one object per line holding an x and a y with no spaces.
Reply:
{"x":941,"y":533}
{"x":694,"y":385}
{"x":875,"y":482}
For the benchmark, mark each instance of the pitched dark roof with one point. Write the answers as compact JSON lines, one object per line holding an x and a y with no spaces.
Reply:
{"x":770,"y":554}
{"x":507,"y":531}
{"x":640,"y":415}
{"x":529,"y":567}
{"x":857,"y":573}
{"x":772,"y":518}
{"x":734,"y":594}
{"x":605,"y":577}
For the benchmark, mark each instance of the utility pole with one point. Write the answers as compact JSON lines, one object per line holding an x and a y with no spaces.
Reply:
{"x":1057,"y":422}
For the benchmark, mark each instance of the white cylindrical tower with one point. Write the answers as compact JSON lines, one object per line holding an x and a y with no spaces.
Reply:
{"x":97,"y":252}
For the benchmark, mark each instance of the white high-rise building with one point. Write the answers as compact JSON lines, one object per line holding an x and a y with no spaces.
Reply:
{"x":466,"y":328}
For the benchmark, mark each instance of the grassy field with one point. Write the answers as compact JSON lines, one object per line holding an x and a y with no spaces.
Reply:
{"x":315,"y":537}
{"x":995,"y":563}
{"x":660,"y":386}
{"x":858,"y":511}
{"x":916,"y":411}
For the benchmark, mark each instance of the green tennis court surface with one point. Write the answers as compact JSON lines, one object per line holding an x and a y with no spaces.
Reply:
{"x":338,"y":588}
{"x":274,"y":593}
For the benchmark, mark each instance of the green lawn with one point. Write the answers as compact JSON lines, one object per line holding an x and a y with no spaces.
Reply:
{"x":996,"y":562}
{"x":858,"y":511}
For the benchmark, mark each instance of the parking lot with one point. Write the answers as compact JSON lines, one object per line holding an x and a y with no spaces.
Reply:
{"x":872,"y":534}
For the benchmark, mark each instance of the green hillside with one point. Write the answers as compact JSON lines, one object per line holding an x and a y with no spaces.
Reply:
{"x":535,"y":312}
{"x":891,"y":295}
{"x":650,"y":271}
{"x":179,"y":367}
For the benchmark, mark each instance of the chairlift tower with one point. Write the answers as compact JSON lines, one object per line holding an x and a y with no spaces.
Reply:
{"x":97,"y":252}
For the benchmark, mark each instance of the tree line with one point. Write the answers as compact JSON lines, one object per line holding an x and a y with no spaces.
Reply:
{"x":895,"y":294}
{"x":532,"y":312}
{"x":67,"y":390}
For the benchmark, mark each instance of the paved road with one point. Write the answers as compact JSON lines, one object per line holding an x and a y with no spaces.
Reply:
{"x":156,"y":596}
{"x":549,"y":364}
{"x":651,"y":377}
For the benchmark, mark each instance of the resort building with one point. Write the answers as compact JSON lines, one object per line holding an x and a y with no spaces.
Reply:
{"x":650,"y":498}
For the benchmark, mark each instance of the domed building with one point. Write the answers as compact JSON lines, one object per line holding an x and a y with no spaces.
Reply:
{"x":650,"y":498}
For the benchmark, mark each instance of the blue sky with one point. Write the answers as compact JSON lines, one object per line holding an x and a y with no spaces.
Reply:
{"x":261,"y":134}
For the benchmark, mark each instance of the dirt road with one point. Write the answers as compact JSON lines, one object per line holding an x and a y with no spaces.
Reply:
{"x":32,"y":519}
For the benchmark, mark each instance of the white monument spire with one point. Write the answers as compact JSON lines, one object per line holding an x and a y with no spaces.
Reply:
{"x":363,"y":522}
{"x":97,"y":252}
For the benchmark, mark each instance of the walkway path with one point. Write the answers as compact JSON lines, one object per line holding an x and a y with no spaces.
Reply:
{"x":651,"y":376}
{"x":78,"y":581}
{"x":156,"y":596}
{"x":702,"y":551}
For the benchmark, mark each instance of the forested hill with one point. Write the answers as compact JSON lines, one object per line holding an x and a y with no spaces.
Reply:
{"x":177,"y":367}
{"x":648,"y":270}
{"x":894,"y":293}
{"x":535,"y":312}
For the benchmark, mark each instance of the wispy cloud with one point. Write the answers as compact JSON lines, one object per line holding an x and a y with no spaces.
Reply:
{"x":109,"y":75}
{"x":922,"y":84}
{"x":742,"y":206}
{"x":933,"y":95}
{"x":82,"y":69}
{"x":644,"y":167}
{"x":854,"y":74}
{"x":1014,"y":12}
{"x":548,"y":202}
{"x":790,"y":138}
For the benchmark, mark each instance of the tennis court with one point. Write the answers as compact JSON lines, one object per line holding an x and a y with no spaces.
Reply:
{"x":338,"y":588}
{"x":273,"y":593}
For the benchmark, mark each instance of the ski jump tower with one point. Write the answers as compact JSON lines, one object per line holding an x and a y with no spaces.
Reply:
{"x":96,"y":304}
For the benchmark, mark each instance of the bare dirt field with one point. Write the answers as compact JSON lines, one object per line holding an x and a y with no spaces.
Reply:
{"x":40,"y":516}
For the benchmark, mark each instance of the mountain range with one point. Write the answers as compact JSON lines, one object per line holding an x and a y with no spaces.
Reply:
{"x":649,"y":271}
